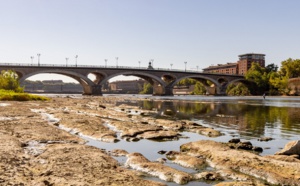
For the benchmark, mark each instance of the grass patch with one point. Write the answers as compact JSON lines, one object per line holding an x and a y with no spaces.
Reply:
{"x":8,"y":95}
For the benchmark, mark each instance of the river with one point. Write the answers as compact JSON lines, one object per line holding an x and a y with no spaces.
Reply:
{"x":247,"y":118}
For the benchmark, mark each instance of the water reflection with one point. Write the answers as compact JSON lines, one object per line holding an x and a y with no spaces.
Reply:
{"x":249,"y":118}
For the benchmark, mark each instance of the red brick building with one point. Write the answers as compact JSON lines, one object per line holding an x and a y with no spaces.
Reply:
{"x":240,"y":67}
{"x":229,"y":68}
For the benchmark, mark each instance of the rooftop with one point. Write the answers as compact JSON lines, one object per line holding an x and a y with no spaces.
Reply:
{"x":252,"y":54}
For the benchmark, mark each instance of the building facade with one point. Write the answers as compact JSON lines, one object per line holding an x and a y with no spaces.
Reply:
{"x":245,"y":61}
{"x":129,"y":86}
{"x":240,"y":67}
{"x":229,"y":68}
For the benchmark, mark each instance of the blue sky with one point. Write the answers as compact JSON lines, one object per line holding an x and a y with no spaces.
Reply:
{"x":201,"y":32}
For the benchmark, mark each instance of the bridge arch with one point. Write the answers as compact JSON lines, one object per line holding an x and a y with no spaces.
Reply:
{"x":247,"y":83}
{"x":84,"y":81}
{"x":157,"y":83}
{"x":198,"y":77}
{"x":99,"y":76}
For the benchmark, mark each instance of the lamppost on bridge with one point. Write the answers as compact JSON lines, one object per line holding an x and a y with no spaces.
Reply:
{"x":67,"y":61}
{"x":197,"y":68}
{"x":76,"y":60}
{"x":105,"y":62}
{"x":171,"y":65}
{"x":31,"y":59}
{"x":152,"y":62}
{"x":185,"y":66}
{"x":117,"y":62}
{"x":139,"y":64}
{"x":38,"y":58}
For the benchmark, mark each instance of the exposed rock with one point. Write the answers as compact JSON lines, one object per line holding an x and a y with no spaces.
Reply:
{"x":161,"y":160}
{"x":138,"y":162}
{"x":119,"y":152}
{"x":221,"y":156}
{"x":161,"y":152}
{"x":102,"y":106}
{"x":134,"y":131}
{"x":159,"y":135}
{"x":265,"y":139}
{"x":186,"y":160}
{"x":290,"y":148}
{"x":239,"y":183}
{"x":197,"y":128}
{"x":211,"y":176}
{"x":109,"y":138}
{"x":234,"y":140}
{"x":286,"y":158}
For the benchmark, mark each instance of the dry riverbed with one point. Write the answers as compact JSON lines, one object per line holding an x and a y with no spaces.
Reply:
{"x":41,"y":144}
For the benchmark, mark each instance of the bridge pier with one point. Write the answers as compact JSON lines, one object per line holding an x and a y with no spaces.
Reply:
{"x":94,"y":90}
{"x":158,"y":90}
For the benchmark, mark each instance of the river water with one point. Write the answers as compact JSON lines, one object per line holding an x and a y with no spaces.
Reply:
{"x":247,"y":118}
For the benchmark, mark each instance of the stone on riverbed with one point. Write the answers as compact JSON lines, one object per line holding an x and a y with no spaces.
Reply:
{"x":159,"y":135}
{"x":197,"y":128}
{"x":186,"y":160}
{"x":119,"y":152}
{"x":138,"y":162}
{"x":221,"y":156}
{"x":211,"y":176}
{"x":290,"y":148}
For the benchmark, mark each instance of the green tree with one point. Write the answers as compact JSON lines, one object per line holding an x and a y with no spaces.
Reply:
{"x":237,"y":90}
{"x":148,"y":89}
{"x":9,"y":81}
{"x":199,"y":89}
{"x":259,"y":76}
{"x":290,"y":68}
{"x":187,"y":82}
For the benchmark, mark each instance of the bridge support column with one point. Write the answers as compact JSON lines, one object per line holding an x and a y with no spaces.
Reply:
{"x":95,"y":90}
{"x":159,"y":90}
{"x":221,"y":90}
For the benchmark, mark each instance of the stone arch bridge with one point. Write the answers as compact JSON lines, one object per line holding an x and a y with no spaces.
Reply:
{"x":162,"y":80}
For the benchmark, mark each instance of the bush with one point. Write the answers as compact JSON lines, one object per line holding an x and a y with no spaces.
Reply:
{"x":9,"y":95}
{"x":237,"y":90}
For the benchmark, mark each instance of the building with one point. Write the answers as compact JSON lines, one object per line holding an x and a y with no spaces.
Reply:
{"x":229,"y":68}
{"x":130,"y":86}
{"x":240,"y":67}
{"x":245,"y":60}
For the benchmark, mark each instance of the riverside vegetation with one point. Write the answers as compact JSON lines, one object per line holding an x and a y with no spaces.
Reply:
{"x":10,"y":88}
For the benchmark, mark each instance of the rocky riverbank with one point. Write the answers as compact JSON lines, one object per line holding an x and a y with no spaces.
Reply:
{"x":41,"y":145}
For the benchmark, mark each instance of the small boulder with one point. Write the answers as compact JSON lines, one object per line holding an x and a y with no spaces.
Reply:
{"x":265,"y":139}
{"x":234,"y":140}
{"x":161,"y":152}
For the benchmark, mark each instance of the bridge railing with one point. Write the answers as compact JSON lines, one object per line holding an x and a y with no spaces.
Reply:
{"x":91,"y":66}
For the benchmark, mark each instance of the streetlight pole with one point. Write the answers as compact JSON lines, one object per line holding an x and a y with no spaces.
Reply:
{"x":117,"y":62}
{"x":185,"y":66}
{"x":171,"y":65}
{"x":38,"y":58}
{"x":197,"y":68}
{"x":76,"y":60}
{"x":31,"y":59}
{"x":67,"y":61}
{"x":139,"y":64}
{"x":105,"y":62}
{"x":152,"y":62}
